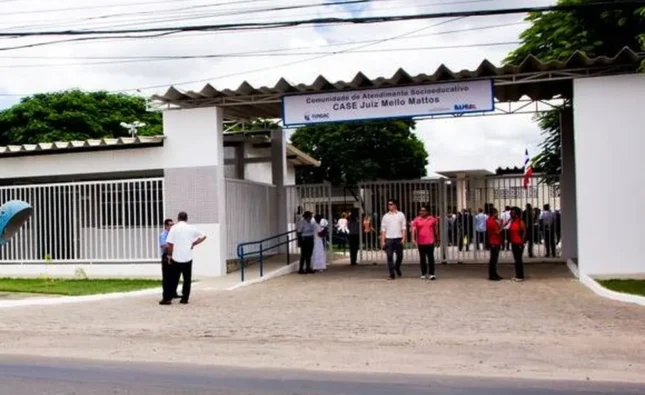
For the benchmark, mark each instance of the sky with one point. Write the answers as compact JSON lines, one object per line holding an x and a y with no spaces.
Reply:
{"x":115,"y":63}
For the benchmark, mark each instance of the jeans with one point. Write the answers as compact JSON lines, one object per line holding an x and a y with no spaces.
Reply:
{"x":393,"y":246}
{"x":426,"y":253}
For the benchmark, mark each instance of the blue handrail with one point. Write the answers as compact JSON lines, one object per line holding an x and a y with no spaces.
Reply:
{"x":241,"y":254}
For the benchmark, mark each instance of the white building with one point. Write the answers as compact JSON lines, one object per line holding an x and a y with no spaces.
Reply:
{"x":103,"y":202}
{"x":100,"y":204}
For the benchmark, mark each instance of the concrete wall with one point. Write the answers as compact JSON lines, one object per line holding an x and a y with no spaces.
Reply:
{"x":609,"y":163}
{"x":196,"y":183}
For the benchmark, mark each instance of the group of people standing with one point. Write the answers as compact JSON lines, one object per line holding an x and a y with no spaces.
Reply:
{"x":425,"y":230}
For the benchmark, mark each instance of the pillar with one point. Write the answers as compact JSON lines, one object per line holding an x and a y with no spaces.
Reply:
{"x":278,"y":176}
{"x":461,"y":191}
{"x":568,"y":206}
{"x":240,"y":153}
{"x":194,"y":181}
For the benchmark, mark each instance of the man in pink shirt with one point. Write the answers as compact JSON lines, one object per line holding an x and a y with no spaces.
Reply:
{"x":424,"y":234}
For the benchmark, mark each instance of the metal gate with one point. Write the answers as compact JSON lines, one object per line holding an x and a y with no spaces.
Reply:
{"x":315,"y":198}
{"x":460,"y":204}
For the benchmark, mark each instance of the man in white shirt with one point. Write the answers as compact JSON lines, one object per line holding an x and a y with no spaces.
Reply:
{"x":393,"y":235}
{"x":181,"y":240}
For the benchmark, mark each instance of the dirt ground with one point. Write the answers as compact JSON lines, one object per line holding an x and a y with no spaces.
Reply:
{"x":352,"y":319}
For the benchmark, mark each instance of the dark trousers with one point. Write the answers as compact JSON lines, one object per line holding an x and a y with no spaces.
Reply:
{"x":185,"y":270}
{"x":492,"y":263}
{"x":306,"y":250}
{"x":353,"y":248}
{"x":460,"y":242}
{"x":481,"y":239}
{"x":549,"y":241}
{"x":426,"y":253}
{"x":394,"y":246}
{"x":167,"y":278}
{"x":507,"y":240}
{"x":518,"y":251}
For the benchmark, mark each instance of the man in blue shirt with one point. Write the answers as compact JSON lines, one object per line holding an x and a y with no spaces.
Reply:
{"x":167,"y":270}
{"x":480,"y":229}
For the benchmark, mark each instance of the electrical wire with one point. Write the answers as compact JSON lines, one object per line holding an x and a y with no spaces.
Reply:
{"x":604,"y":6}
{"x":258,"y":55}
{"x":267,"y":51}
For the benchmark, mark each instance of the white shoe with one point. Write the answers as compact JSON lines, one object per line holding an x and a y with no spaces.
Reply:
{"x":433,"y":277}
{"x":423,"y":277}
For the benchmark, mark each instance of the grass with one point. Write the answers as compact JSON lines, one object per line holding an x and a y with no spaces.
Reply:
{"x":70,"y":287}
{"x":635,"y":287}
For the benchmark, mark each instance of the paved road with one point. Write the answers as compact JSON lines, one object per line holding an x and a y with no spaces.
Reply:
{"x":30,"y":376}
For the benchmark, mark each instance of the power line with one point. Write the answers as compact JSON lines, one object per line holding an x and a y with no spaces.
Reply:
{"x":229,"y":12}
{"x":273,"y":50}
{"x":200,"y":12}
{"x":600,"y":6}
{"x":254,"y":55}
{"x":119,"y":5}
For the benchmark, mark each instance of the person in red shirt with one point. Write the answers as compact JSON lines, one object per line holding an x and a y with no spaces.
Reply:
{"x":424,"y":234}
{"x":516,"y":234}
{"x":494,"y":233}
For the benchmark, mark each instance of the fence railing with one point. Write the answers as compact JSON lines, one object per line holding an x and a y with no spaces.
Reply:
{"x":250,"y":213}
{"x":115,"y":221}
{"x":262,"y":247}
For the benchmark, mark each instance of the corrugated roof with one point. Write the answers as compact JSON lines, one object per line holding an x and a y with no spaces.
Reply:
{"x":85,"y":145}
{"x":533,"y":78}
{"x":294,"y":155}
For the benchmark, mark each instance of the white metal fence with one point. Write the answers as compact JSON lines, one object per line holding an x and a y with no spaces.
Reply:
{"x":250,"y":213}
{"x":116,"y":221}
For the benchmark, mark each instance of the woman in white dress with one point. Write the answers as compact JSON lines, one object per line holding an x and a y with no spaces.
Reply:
{"x":318,"y":259}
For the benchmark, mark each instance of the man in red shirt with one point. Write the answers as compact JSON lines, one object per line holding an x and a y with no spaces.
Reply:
{"x":424,"y":234}
{"x":494,"y":230}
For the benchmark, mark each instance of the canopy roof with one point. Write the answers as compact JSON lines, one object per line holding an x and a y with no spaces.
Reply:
{"x":532,"y":78}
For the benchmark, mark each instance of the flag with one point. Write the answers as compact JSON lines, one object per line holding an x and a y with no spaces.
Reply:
{"x":528,"y":171}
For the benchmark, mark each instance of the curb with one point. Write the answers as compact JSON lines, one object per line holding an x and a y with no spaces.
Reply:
{"x":283,"y":271}
{"x":75,"y":299}
{"x":602,"y":291}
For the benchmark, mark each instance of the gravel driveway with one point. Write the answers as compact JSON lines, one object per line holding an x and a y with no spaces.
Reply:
{"x":351,"y":319}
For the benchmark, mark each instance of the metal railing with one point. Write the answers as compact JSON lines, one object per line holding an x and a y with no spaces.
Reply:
{"x":264,"y":246}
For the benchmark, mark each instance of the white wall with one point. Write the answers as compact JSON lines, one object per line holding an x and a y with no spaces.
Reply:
{"x":183,"y":135}
{"x":609,"y":139}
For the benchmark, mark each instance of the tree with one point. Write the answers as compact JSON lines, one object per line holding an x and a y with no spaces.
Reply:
{"x":556,"y":35}
{"x":361,"y":151}
{"x":75,"y":115}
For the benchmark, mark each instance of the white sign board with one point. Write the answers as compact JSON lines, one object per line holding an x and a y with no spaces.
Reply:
{"x":382,"y":103}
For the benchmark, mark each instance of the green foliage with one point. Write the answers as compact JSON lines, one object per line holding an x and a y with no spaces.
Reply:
{"x":556,"y":35}
{"x":361,"y":151}
{"x":548,"y":160}
{"x":74,"y":115}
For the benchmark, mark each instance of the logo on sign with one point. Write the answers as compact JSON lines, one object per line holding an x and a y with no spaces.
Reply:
{"x":309,"y":117}
{"x":463,"y":107}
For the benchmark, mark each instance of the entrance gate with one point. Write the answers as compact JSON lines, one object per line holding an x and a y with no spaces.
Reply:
{"x":456,"y":201}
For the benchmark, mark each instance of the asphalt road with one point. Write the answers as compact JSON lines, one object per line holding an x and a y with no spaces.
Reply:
{"x":31,"y":376}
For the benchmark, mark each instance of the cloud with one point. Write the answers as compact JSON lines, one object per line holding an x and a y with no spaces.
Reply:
{"x":452,"y":144}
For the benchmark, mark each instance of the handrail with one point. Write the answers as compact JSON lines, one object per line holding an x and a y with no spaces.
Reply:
{"x":241,"y":254}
